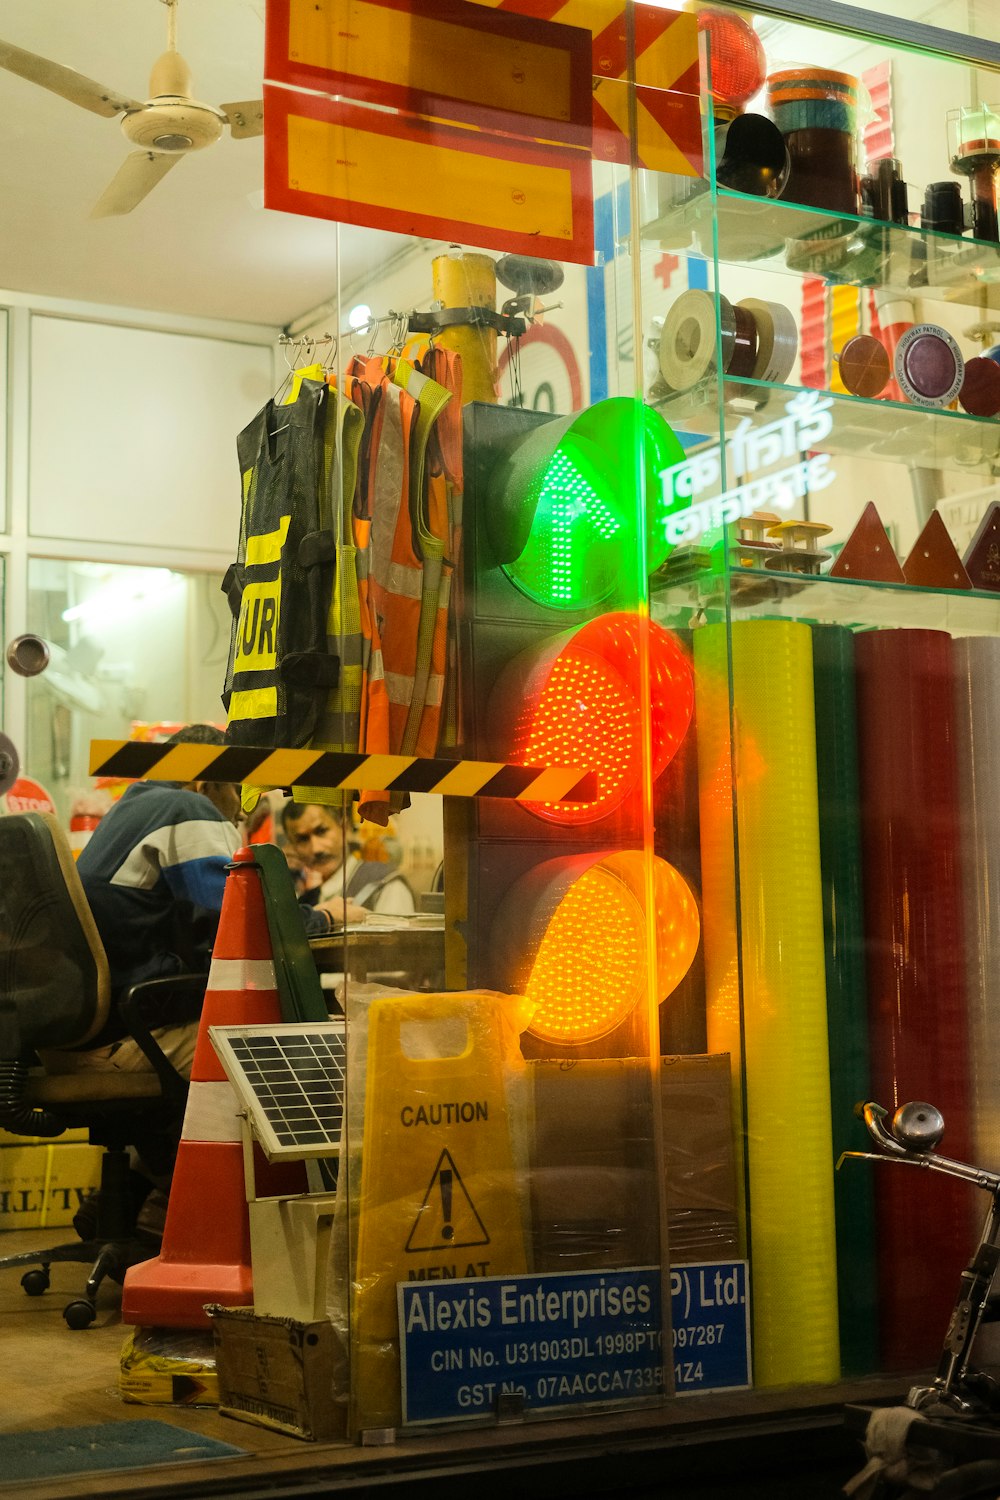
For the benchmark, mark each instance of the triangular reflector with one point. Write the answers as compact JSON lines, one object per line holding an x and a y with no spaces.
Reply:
{"x":934,"y":563}
{"x":868,"y":552}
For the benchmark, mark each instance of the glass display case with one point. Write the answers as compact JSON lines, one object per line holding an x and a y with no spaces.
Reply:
{"x":831,"y":526}
{"x":648,"y":471}
{"x":666,"y":997}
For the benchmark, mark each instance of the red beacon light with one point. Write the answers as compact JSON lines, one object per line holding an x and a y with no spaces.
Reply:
{"x":736,"y":55}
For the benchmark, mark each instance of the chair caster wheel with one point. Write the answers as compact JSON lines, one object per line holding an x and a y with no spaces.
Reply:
{"x":79,"y":1314}
{"x":35,"y":1282}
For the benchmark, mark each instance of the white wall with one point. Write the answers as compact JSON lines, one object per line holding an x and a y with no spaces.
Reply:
{"x":135,"y":431}
{"x":121,"y":430}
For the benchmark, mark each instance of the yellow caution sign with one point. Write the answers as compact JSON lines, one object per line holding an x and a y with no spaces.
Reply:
{"x":447,"y":1218}
{"x":440,"y":1196}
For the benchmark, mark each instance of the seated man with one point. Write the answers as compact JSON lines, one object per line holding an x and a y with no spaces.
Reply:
{"x":154,"y":873}
{"x":318,"y":836}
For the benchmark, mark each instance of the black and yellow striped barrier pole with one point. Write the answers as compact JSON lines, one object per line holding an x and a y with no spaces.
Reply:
{"x":139,"y":760}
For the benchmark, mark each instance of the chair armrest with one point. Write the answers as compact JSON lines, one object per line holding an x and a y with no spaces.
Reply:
{"x":185,"y":993}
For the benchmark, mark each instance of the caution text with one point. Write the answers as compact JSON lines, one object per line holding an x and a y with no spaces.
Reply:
{"x":464,"y":1113}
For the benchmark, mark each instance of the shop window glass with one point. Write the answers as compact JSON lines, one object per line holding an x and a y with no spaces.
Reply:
{"x":131,"y":648}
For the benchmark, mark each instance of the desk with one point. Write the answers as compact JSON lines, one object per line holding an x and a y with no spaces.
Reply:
{"x":414,"y":946}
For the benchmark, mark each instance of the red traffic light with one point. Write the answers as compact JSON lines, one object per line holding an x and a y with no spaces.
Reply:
{"x":579,"y":698}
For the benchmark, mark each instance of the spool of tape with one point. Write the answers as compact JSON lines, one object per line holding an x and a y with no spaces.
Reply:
{"x":744,"y":356}
{"x":777,"y":339}
{"x":928,"y":365}
{"x":687,"y":342}
{"x":814,"y":114}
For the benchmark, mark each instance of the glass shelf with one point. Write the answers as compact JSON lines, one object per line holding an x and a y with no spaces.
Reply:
{"x":841,"y":248}
{"x":757,"y":593}
{"x":893,"y":431}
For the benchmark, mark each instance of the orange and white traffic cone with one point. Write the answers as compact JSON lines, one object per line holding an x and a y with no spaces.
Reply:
{"x":205,"y":1254}
{"x":81,"y":826}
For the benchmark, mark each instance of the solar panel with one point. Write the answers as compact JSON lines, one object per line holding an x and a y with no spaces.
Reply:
{"x":290,"y":1081}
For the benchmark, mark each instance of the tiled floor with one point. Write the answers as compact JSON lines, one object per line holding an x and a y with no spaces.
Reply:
{"x":53,"y":1377}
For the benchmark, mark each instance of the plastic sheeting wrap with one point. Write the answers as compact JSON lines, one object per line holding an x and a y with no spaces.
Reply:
{"x":977,"y":722}
{"x":847,"y":1015}
{"x":787,"y":1086}
{"x":916,"y":972}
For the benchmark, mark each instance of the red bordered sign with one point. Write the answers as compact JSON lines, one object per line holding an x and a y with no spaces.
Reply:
{"x":450,"y":59}
{"x":355,"y":165}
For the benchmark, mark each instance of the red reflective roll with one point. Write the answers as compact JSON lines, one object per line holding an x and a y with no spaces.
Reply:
{"x":916,"y":973}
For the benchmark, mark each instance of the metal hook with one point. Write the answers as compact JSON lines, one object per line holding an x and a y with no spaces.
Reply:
{"x":400,"y":324}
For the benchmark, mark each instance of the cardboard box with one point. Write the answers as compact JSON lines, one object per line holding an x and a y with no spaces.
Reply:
{"x":593,"y":1184}
{"x":593,"y":1170}
{"x":43,"y":1186}
{"x":277,"y":1372}
{"x":700,"y":1160}
{"x":169,"y":1367}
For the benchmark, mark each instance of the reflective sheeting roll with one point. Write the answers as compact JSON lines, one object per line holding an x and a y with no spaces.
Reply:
{"x":789,"y":1147}
{"x":916,"y":972}
{"x":847,"y":1014}
{"x":977,"y":718}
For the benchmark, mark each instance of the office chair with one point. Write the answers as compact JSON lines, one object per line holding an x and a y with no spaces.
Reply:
{"x":55,"y":995}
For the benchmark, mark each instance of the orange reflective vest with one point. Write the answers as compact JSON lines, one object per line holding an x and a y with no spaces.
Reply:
{"x":441,"y":711}
{"x":429,"y":523}
{"x":340,"y":723}
{"x":394,"y":568}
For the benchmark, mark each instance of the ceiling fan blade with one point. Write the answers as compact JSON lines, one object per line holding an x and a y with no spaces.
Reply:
{"x":246,"y":118}
{"x":138,"y":174}
{"x":59,"y":80}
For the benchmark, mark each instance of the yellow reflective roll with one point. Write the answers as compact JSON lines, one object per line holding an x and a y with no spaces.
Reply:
{"x":789,"y":1147}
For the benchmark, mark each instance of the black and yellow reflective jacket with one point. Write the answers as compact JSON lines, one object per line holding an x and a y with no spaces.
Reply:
{"x":280,"y":669}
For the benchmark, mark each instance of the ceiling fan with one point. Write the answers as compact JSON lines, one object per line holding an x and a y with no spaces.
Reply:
{"x":169,"y":125}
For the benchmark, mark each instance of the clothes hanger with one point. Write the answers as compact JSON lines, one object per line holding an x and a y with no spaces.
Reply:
{"x":285,"y":344}
{"x":295,"y":345}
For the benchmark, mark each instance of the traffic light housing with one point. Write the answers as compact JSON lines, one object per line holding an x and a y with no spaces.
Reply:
{"x":562,"y":665}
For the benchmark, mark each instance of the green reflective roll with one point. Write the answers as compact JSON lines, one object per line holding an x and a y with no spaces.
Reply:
{"x":843,"y":921}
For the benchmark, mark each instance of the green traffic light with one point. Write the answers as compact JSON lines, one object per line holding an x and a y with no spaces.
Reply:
{"x":570,"y":558}
{"x":584,"y":490}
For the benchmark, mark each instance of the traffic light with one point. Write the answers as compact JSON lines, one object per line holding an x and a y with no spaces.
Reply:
{"x":563,"y":666}
{"x":550,"y":941}
{"x":577,"y":698}
{"x":560,"y":509}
